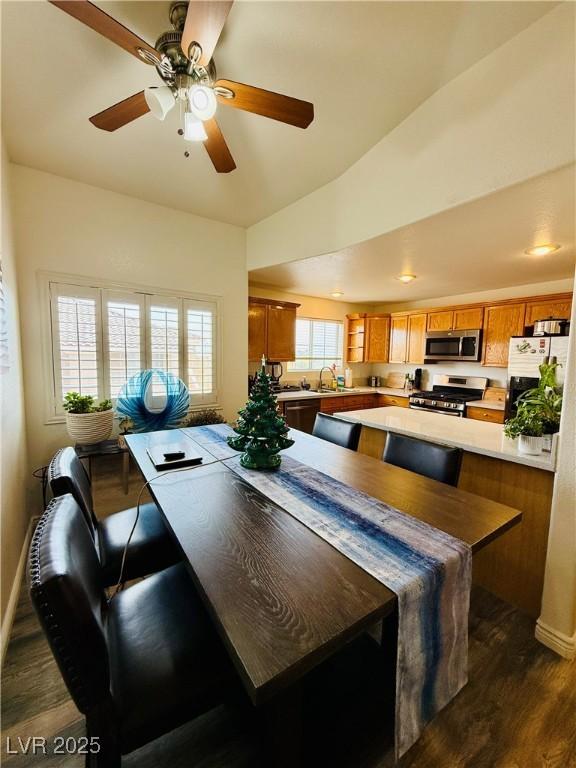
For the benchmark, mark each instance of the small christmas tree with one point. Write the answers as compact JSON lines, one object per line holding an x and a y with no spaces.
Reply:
{"x":260,"y":429}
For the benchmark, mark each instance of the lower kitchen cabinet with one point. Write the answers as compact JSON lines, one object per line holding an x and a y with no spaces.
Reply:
{"x":348,"y":403}
{"x":397,"y":400}
{"x":484,"y":414}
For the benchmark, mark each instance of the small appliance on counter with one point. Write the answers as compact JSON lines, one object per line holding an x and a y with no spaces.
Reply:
{"x":374,"y":381}
{"x":449,"y":394}
{"x":275,"y":371}
{"x":417,"y":379}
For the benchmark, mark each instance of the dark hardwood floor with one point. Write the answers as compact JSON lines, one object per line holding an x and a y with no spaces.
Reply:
{"x":517,"y":711}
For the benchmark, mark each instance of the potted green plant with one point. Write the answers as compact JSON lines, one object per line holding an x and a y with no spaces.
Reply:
{"x":88,"y":422}
{"x":538,"y":414}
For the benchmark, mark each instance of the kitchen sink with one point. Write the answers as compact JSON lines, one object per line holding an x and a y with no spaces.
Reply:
{"x":328,"y":391}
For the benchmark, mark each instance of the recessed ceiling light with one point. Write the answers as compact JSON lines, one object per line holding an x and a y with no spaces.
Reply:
{"x":406,"y":278}
{"x":543,"y":250}
{"x":337,"y":294}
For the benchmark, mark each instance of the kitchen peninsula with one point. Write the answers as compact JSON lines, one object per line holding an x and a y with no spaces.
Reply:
{"x":492,"y":467}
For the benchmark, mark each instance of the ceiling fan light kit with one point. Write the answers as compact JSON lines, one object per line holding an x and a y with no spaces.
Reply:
{"x":183,"y":59}
{"x":160,"y":100}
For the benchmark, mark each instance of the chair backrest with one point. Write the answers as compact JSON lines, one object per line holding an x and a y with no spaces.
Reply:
{"x":66,"y":474}
{"x":438,"y":462}
{"x":336,"y":431}
{"x":64,"y":582}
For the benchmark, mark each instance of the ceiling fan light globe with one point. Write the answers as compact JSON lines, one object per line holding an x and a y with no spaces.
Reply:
{"x":202,"y":101}
{"x":194,"y":128}
{"x":160,"y":100}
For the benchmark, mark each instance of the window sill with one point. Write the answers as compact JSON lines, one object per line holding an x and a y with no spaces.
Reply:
{"x":61,"y":418}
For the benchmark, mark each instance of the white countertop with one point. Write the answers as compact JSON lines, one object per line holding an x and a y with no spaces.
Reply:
{"x":304,"y":394}
{"x":494,"y":405}
{"x":471,"y":435}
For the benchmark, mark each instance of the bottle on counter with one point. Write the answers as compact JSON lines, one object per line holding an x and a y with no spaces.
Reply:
{"x":348,"y":378}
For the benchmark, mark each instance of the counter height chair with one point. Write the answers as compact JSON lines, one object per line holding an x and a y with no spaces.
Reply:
{"x":136,"y":667}
{"x":337,"y":431}
{"x":439,"y":462}
{"x":150,"y":549}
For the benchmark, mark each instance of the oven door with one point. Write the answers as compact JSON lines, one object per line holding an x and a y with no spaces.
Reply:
{"x":442,"y":345}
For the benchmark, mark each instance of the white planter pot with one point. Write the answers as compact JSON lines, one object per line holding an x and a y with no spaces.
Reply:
{"x":530,"y":445}
{"x":90,"y":428}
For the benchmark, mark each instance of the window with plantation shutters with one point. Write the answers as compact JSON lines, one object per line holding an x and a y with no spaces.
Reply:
{"x":102,"y":337}
{"x":76,"y":341}
{"x":318,"y":343}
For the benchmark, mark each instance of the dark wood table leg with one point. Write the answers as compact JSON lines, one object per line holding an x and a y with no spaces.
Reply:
{"x":281,"y":719}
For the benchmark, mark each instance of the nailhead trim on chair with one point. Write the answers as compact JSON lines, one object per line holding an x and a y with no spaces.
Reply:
{"x":58,"y":642}
{"x":54,"y":466}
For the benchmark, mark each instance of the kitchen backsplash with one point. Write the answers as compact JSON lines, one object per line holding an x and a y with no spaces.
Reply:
{"x":497,"y":377}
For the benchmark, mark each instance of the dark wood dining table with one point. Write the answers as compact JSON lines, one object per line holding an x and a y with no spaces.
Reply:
{"x":282,"y":598}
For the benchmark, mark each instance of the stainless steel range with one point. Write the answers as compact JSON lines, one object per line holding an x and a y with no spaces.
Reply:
{"x":449,"y":394}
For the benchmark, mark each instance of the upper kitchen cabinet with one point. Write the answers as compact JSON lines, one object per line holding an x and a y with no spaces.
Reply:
{"x":468,"y":319}
{"x":500,"y":323}
{"x":398,"y":339}
{"x":441,"y":321}
{"x":416,"y":338}
{"x":377,"y":339}
{"x":558,"y":306}
{"x":355,"y":338}
{"x":464,"y":319}
{"x":271,"y":330}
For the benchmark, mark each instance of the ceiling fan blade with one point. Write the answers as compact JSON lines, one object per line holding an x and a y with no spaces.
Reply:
{"x":101,"y":22}
{"x":267,"y":103}
{"x":217,"y":148}
{"x":122,"y":113}
{"x":204,"y":22}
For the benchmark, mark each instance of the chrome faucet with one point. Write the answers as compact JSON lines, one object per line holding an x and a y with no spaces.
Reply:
{"x":325,"y":368}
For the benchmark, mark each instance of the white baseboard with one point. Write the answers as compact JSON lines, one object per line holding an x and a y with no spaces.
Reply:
{"x":15,"y":591}
{"x":557,"y":641}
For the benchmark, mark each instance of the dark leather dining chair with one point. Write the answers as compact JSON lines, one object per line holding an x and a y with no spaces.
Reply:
{"x":138,"y":666}
{"x":150,"y":549}
{"x":440,"y":462}
{"x":336,"y":431}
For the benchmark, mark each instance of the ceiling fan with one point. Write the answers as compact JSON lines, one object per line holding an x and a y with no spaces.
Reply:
{"x":183,"y":59}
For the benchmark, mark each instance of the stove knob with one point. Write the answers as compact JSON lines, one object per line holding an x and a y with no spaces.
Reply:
{"x":433,"y":403}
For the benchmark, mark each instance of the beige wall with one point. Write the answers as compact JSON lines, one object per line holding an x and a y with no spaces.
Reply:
{"x":69,"y":227}
{"x":557,"y":623}
{"x":508,"y":118}
{"x":13,"y":460}
{"x":321,"y":309}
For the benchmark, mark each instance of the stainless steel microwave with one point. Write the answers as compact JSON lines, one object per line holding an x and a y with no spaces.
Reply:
{"x":452,"y":345}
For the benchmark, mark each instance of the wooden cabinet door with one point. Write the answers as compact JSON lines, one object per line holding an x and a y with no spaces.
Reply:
{"x":540,"y":310}
{"x":377,"y":339}
{"x":416,"y":338}
{"x":281,"y":328}
{"x":398,"y":339}
{"x":257,"y":332}
{"x":500,"y":323}
{"x":468,"y":319}
{"x":387,"y":400}
{"x":485,"y":414}
{"x":440,"y":321}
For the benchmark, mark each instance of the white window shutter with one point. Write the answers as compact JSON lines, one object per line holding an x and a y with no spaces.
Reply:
{"x":76,"y":341}
{"x":124,"y":337}
{"x":200,"y":350}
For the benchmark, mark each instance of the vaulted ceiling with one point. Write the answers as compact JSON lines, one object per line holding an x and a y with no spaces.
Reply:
{"x":364,"y":65}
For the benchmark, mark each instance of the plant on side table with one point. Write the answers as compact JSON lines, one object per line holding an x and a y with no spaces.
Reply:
{"x":87,"y":422}
{"x":538,"y":413}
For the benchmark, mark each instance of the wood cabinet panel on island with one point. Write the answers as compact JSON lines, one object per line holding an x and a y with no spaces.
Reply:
{"x":271,"y":330}
{"x":500,"y":323}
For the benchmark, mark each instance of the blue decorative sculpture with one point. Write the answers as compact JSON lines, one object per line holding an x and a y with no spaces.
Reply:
{"x":131,"y":401}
